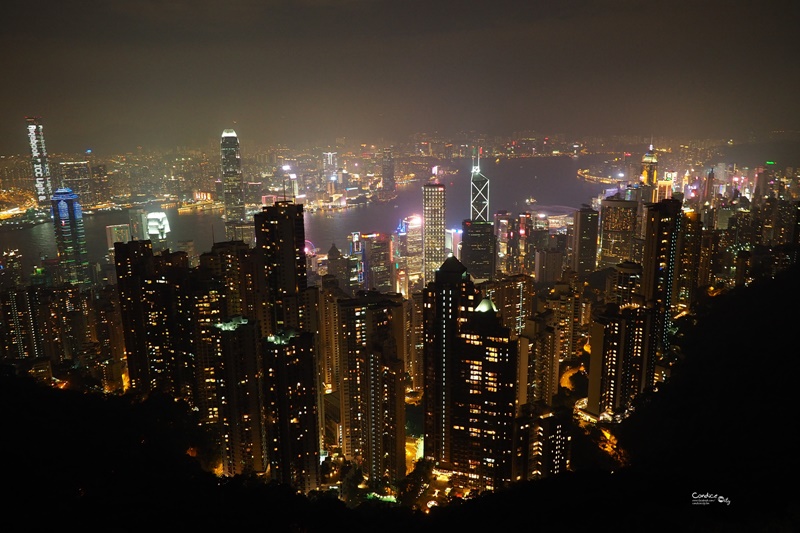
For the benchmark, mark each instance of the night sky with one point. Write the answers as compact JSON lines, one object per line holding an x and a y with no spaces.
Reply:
{"x":111,"y":75}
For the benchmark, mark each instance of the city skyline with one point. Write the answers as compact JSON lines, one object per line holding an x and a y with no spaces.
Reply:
{"x":113,"y":76}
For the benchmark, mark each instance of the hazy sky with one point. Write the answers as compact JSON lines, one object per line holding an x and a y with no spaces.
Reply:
{"x":114,"y":74}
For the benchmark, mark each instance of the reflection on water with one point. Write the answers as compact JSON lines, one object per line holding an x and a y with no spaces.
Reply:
{"x":551,"y":180}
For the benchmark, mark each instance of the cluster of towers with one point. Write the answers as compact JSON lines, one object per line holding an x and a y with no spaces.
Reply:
{"x":285,"y":369}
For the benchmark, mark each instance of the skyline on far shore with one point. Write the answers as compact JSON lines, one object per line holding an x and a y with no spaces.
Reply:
{"x":112,"y":76}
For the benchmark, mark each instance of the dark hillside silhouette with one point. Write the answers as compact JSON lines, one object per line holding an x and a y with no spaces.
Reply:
{"x":722,"y":425}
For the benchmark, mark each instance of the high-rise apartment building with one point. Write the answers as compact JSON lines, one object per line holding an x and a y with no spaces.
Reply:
{"x":281,"y":266}
{"x":407,"y":247}
{"x":433,"y":228}
{"x":345,"y":270}
{"x":549,"y":265}
{"x":660,"y":263}
{"x":20,"y":336}
{"x":70,"y":236}
{"x":232,"y":181}
{"x":377,"y":254}
{"x":291,"y":409}
{"x":42,"y":185}
{"x":233,"y":262}
{"x":542,"y":341}
{"x":484,"y":394}
{"x":372,"y":346}
{"x":447,"y":301}
{"x":229,"y":395}
{"x":503,"y":232}
{"x":624,"y":285}
{"x":617,"y":230}
{"x":513,"y":296}
{"x":621,"y":363}
{"x":134,"y":263}
{"x":542,"y":442}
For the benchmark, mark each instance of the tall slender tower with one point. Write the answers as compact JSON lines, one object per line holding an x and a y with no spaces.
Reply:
{"x":659,"y":266}
{"x":232,"y":182}
{"x":478,"y":249}
{"x":433,"y":228}
{"x":479,"y":192}
{"x":41,"y":167}
{"x":70,"y":237}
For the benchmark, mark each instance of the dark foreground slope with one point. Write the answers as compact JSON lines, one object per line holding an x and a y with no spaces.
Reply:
{"x":722,"y":426}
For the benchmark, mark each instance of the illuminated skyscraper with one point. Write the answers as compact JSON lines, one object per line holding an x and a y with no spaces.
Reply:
{"x":41,"y":167}
{"x":479,"y":248}
{"x":70,"y":237}
{"x":232,"y":181}
{"x":158,"y":230}
{"x":690,"y":252}
{"x":479,"y":192}
{"x":433,"y":228}
{"x":407,"y":246}
{"x":650,"y":168}
{"x":330,"y":166}
{"x":503,"y":231}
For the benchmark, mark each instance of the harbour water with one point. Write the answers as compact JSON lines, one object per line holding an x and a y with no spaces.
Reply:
{"x":551,"y":182}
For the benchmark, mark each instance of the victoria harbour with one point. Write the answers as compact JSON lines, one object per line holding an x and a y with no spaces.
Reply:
{"x":551,"y":182}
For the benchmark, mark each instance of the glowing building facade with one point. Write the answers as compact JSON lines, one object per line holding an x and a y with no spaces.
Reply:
{"x":70,"y":237}
{"x":41,"y":167}
{"x":232,"y":181}
{"x":433,"y":228}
